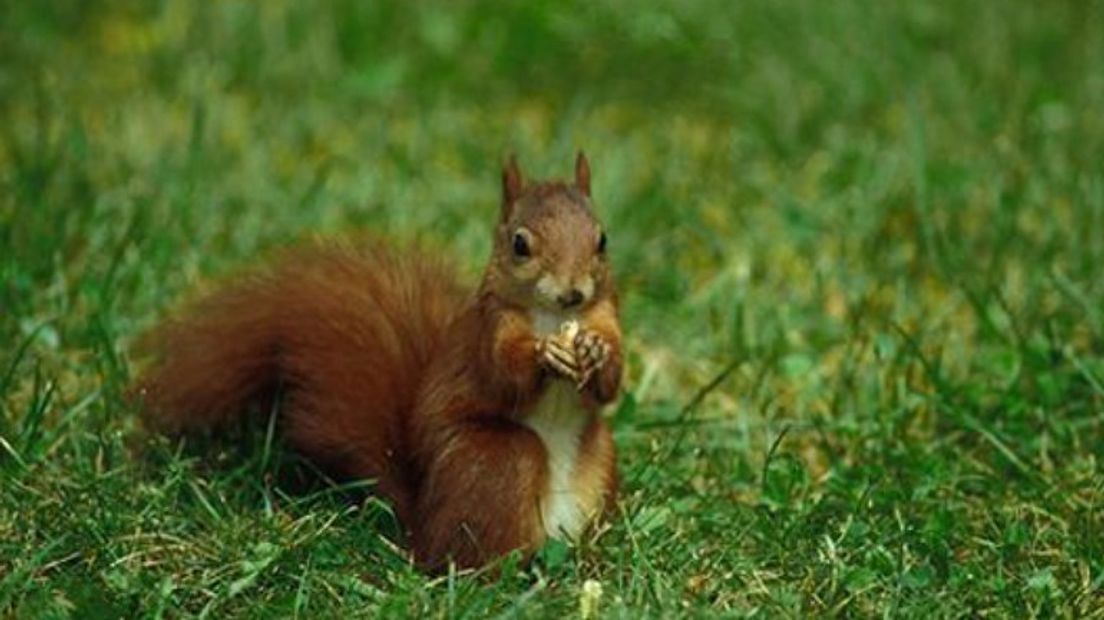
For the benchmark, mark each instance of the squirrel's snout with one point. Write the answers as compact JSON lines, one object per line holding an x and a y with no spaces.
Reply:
{"x":570,"y":299}
{"x":564,"y":293}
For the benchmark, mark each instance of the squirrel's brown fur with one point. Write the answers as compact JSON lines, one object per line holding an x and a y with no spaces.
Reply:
{"x":392,"y":371}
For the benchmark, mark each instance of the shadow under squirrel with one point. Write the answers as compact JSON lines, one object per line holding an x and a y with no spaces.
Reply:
{"x":476,"y":412}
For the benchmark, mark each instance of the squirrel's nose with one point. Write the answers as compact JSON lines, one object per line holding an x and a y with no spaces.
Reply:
{"x":570,"y":299}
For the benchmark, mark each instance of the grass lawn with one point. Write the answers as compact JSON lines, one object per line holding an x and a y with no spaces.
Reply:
{"x":860,"y":246}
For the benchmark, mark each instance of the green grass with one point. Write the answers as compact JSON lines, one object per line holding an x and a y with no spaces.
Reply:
{"x":860,"y":246}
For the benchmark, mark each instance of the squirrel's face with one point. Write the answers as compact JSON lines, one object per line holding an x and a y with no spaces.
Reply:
{"x":556,"y":254}
{"x":550,"y":249}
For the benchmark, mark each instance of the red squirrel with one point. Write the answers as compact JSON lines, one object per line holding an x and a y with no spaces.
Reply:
{"x":476,"y":413}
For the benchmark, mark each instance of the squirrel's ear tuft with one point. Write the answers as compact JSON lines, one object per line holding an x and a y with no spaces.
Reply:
{"x":582,"y":173}
{"x":512,"y":184}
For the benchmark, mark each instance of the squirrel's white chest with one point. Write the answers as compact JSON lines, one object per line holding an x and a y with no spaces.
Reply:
{"x":559,"y":420}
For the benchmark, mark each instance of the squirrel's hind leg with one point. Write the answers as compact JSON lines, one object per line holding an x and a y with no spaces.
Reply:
{"x":480,"y":498}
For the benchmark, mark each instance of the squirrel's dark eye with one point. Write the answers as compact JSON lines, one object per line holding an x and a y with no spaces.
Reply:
{"x":521,"y":245}
{"x":602,"y":243}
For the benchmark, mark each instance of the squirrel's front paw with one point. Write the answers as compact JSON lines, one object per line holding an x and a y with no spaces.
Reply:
{"x":592,"y":352}
{"x":558,"y":357}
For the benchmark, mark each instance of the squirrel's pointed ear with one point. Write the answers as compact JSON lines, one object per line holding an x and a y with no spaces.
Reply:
{"x":582,"y":173}
{"x":512,"y":184}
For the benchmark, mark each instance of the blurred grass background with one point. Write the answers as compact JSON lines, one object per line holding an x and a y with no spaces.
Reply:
{"x":859,"y":246}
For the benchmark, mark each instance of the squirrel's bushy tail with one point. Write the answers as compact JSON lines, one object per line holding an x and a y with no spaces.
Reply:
{"x":344,"y":331}
{"x":213,"y":358}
